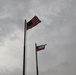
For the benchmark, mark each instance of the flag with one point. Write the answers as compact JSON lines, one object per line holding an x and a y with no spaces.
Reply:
{"x":41,"y":47}
{"x":33,"y":22}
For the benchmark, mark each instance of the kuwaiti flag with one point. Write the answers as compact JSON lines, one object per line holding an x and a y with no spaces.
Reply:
{"x":33,"y":22}
{"x":41,"y":47}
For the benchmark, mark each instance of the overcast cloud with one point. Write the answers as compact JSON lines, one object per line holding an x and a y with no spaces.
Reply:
{"x":57,"y":30}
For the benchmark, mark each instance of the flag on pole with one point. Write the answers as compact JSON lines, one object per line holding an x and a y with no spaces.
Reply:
{"x":41,"y":47}
{"x":33,"y":22}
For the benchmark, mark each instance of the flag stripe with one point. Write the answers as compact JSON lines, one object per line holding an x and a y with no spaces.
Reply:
{"x":41,"y":47}
{"x":33,"y":22}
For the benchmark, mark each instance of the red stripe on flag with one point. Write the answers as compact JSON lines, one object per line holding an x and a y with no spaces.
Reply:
{"x":40,"y":49}
{"x":35,"y":21}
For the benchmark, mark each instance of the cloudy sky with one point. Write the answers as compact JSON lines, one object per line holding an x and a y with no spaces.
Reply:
{"x":57,"y":30}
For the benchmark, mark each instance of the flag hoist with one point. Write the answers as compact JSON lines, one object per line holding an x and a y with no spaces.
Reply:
{"x":28,"y":25}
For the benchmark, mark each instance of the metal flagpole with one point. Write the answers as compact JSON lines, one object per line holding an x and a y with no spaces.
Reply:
{"x":24,"y":51}
{"x":36,"y":60}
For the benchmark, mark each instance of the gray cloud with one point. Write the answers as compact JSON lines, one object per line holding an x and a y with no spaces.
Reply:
{"x":11,"y":15}
{"x":9,"y":72}
{"x":57,"y":30}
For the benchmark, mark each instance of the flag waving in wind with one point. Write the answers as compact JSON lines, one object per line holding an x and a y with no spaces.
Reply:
{"x":33,"y":22}
{"x":41,"y":47}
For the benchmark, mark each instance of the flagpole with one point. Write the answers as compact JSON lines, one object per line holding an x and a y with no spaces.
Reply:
{"x":36,"y":59}
{"x":24,"y":51}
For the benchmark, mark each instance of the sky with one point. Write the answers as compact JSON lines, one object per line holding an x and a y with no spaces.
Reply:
{"x":57,"y":29}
